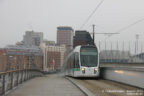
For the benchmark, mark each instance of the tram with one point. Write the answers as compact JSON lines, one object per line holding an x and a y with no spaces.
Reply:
{"x":83,"y":61}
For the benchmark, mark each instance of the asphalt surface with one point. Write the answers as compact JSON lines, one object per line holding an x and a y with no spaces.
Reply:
{"x":50,"y":85}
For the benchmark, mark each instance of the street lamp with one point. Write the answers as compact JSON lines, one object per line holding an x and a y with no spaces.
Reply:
{"x":137,"y":37}
{"x":15,"y":58}
{"x":4,"y":69}
{"x":10,"y":67}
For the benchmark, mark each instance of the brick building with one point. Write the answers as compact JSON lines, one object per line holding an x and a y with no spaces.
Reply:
{"x":3,"y":59}
{"x":14,"y":58}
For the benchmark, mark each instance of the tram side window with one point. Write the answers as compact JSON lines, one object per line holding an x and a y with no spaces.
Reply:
{"x":68,"y":63}
{"x":72,"y":59}
{"x":76,"y":60}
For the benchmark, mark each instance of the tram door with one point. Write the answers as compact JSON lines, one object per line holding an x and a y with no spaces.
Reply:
{"x":76,"y":69}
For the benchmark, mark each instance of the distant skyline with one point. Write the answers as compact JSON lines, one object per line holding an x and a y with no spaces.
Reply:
{"x":18,"y":16}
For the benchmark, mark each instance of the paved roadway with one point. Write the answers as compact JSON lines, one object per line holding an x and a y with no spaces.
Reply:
{"x":50,"y":85}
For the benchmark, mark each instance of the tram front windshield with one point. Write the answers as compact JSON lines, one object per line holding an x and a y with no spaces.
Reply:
{"x":89,"y":57}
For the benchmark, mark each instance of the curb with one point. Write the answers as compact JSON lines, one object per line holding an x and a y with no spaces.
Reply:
{"x":83,"y":89}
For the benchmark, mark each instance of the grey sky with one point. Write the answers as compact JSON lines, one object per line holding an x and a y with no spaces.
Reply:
{"x":17,"y":16}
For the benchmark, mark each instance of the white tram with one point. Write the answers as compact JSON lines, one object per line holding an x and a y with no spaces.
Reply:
{"x":83,"y":61}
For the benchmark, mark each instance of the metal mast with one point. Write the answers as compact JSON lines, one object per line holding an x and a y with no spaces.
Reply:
{"x":93,"y":33}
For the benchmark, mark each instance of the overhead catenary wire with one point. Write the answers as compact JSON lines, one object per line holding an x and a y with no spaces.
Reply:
{"x":126,"y":27}
{"x":92,"y":14}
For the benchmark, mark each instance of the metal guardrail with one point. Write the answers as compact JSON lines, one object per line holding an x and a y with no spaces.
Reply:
{"x":11,"y":79}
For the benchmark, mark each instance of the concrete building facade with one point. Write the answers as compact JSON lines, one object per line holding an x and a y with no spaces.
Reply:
{"x":47,"y":42}
{"x":32,"y":38}
{"x":65,"y":36}
{"x":53,"y":56}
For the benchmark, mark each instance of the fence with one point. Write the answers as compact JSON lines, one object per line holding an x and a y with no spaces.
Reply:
{"x":122,"y":52}
{"x":11,"y":79}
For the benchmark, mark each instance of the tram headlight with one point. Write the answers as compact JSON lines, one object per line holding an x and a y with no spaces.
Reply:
{"x":95,"y":70}
{"x":83,"y":70}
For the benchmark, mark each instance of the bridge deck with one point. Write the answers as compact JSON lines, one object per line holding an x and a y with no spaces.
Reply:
{"x":50,"y":85}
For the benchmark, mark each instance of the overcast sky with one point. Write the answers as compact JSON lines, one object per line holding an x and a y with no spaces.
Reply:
{"x":17,"y":16}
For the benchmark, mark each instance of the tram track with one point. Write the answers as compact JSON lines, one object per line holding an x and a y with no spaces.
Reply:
{"x":102,"y":87}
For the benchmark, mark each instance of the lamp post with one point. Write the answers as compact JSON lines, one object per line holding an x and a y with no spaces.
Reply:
{"x":15,"y":58}
{"x":10,"y":63}
{"x":4,"y":69}
{"x":18,"y":62}
{"x":28,"y":62}
{"x":137,"y":37}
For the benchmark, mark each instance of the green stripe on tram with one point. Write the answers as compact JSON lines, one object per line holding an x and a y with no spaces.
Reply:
{"x":76,"y":69}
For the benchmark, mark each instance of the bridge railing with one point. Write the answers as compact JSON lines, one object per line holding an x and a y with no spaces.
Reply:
{"x":11,"y":79}
{"x":121,"y":51}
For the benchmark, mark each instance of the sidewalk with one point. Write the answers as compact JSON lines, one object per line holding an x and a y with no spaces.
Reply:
{"x":50,"y":85}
